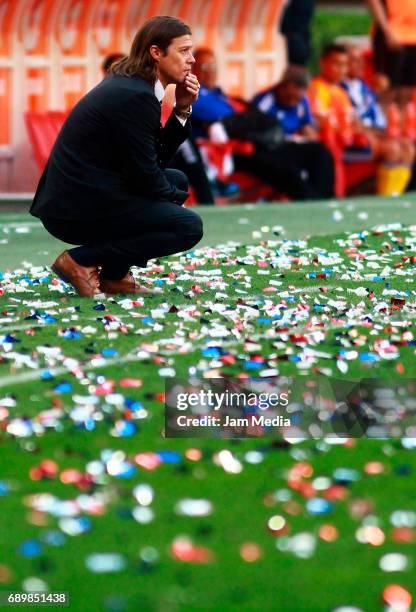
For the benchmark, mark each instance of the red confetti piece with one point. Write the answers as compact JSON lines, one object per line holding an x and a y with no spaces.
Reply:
{"x":397,"y":597}
{"x":131,"y":383}
{"x":184,"y":550}
{"x":400,"y":368}
{"x":148,"y":461}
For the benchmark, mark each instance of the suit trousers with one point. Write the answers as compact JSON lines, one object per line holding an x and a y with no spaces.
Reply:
{"x":119,"y":242}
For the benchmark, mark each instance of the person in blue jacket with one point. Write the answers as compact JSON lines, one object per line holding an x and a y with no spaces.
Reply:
{"x":303,"y":171}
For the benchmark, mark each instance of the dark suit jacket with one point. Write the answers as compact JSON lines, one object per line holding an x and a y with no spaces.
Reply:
{"x":109,"y":157}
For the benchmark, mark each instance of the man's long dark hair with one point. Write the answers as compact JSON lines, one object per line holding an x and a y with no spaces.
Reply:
{"x":158,"y":31}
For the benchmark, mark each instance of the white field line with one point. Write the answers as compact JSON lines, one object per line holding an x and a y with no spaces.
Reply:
{"x":16,"y":224}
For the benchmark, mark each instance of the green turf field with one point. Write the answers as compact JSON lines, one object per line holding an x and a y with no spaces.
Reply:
{"x":298,"y":289}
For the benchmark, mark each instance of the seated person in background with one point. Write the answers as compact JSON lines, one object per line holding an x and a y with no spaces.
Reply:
{"x":329,"y":99}
{"x":364,"y":100}
{"x":188,"y":159}
{"x":372,"y":117}
{"x":109,"y":60}
{"x":288,"y":103}
{"x":284,"y":167}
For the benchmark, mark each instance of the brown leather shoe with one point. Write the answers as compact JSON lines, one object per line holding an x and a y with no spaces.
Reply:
{"x":124,"y":285}
{"x":84,"y":279}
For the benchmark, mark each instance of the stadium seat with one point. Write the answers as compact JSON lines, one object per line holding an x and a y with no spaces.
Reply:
{"x":57,"y":119}
{"x":42,"y":136}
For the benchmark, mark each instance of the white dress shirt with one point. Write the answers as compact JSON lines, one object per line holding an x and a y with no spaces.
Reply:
{"x":159,"y":93}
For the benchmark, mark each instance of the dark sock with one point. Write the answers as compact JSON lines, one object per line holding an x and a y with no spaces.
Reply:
{"x":118,"y":271}
{"x":83,"y":256}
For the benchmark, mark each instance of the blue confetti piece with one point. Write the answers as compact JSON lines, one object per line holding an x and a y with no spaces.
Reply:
{"x":133,"y":405}
{"x":345,"y":475}
{"x":125,"y":429}
{"x":147,"y":320}
{"x":253,"y":365}
{"x":70,"y":334}
{"x":109,"y":352}
{"x":30,"y":548}
{"x":46,"y":375}
{"x":126,"y":470}
{"x":212,"y":351}
{"x":99,"y":307}
{"x":317,"y":505}
{"x":49,"y":319}
{"x":54,"y":538}
{"x":63,"y":387}
{"x":369,"y":357}
{"x":84,"y":524}
{"x":169,"y":456}
{"x":4,"y":489}
{"x":89,"y":424}
{"x":10,"y":339}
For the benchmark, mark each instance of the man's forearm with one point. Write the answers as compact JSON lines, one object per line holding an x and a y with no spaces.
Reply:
{"x":379,"y":12}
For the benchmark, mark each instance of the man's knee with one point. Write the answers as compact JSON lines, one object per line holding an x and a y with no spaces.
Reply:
{"x":196,"y":229}
{"x":177,"y":178}
{"x":193,"y":230}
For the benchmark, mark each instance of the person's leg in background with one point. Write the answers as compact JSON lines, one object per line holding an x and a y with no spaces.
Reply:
{"x":278,"y":170}
{"x":396,"y":157}
{"x":399,"y":65}
{"x":188,"y":159}
{"x":295,"y":25}
{"x":314,"y":159}
{"x":408,"y":77}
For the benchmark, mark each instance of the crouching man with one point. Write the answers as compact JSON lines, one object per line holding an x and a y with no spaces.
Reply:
{"x":105,"y":186}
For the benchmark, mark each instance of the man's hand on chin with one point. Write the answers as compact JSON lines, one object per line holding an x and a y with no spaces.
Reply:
{"x":186,"y":94}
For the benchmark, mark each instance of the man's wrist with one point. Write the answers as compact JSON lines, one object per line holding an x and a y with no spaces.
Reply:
{"x":184,"y":113}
